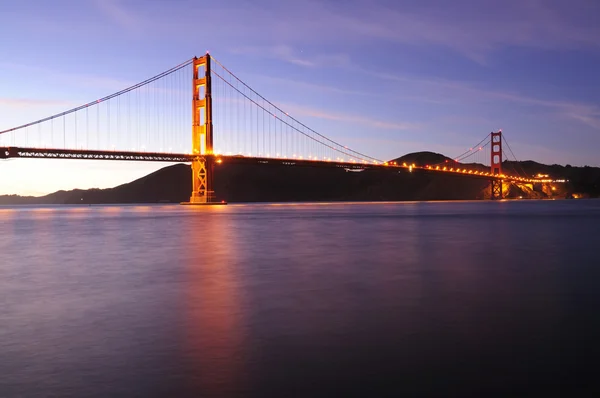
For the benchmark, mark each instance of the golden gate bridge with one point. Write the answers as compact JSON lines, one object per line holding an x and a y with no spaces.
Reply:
{"x":230,"y":123}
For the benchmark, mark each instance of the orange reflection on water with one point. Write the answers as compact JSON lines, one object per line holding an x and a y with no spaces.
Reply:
{"x":111,"y":209}
{"x":7,"y":211}
{"x":143,"y":209}
{"x":213,"y":332}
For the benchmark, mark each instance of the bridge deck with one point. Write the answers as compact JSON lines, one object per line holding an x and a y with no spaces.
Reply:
{"x":49,"y":153}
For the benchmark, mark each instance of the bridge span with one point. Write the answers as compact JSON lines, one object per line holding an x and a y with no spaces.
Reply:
{"x":230,"y":123}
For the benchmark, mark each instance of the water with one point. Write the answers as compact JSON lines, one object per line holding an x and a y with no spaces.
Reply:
{"x":371,"y":300}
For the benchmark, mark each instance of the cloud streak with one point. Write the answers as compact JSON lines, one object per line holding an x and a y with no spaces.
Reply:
{"x":120,"y":15}
{"x":475,"y":31}
{"x":452,"y":91}
{"x":75,"y":79}
{"x":31,"y":102}
{"x":467,"y":26}
{"x":298,"y":110}
{"x":288,"y":54}
{"x":323,"y":88}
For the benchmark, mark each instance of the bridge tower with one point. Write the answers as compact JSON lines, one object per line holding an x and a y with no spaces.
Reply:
{"x":202,"y":133}
{"x":496,"y":164}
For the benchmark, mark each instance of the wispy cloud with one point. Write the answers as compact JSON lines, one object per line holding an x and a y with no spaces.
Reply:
{"x":290,"y":55}
{"x":31,"y":102}
{"x":441,"y":90}
{"x":591,"y":118}
{"x":323,"y":88}
{"x":294,"y":31}
{"x":465,"y":26}
{"x":119,"y":14}
{"x":475,"y":31}
{"x":106,"y":83}
{"x":298,"y":110}
{"x":74,"y":79}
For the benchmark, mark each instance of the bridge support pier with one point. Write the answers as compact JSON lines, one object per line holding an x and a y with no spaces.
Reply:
{"x":496,"y":192}
{"x":496,"y":164}
{"x":202,"y":135}
{"x":202,"y":170}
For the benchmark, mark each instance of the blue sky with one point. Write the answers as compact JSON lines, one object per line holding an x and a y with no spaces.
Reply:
{"x":384,"y":77}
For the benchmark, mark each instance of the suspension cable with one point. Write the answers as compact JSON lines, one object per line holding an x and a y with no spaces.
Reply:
{"x":473,"y":153}
{"x":294,"y":128}
{"x":462,"y":155}
{"x":145,"y":82}
{"x":292,"y":118}
{"x":514,"y":157}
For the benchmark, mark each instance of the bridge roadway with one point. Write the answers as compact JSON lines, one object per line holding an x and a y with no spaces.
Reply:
{"x":46,"y":153}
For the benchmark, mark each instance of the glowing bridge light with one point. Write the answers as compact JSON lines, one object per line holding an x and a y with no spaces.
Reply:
{"x":219,"y":160}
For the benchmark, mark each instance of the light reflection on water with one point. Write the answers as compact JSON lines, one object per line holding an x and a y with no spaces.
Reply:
{"x":469,"y":298}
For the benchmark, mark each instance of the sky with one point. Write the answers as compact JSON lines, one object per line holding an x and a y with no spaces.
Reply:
{"x":385,"y":77}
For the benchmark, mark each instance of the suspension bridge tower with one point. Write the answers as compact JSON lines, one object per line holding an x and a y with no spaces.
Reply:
{"x":496,"y":164}
{"x":202,"y":134}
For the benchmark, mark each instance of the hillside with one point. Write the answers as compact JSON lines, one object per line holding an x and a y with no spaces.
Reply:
{"x":422,"y":158}
{"x":583,"y":180}
{"x":277,"y":183}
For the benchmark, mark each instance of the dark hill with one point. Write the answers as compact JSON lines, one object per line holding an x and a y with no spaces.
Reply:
{"x":422,"y":158}
{"x":257,"y":183}
{"x":278,"y":183}
{"x":583,"y":180}
{"x":274,"y":183}
{"x":168,"y":184}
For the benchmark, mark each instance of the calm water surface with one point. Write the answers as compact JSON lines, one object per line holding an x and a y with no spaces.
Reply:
{"x":413,"y":299}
